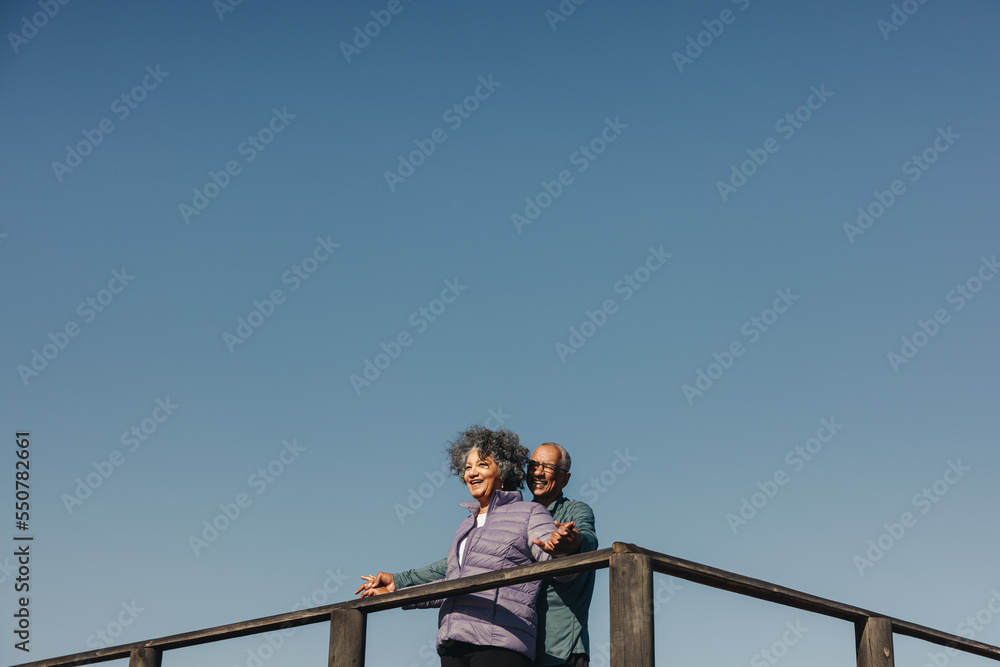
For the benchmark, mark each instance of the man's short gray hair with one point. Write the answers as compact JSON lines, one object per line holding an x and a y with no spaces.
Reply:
{"x":564,"y":458}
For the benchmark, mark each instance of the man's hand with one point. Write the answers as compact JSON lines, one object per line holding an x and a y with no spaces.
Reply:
{"x":377,"y":584}
{"x":564,"y":540}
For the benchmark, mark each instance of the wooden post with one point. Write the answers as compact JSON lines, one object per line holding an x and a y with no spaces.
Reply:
{"x":145,"y":657}
{"x":631,"y":606}
{"x":873,"y":639}
{"x":347,"y":638}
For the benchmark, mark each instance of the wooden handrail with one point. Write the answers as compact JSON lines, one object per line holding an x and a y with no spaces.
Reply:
{"x":591,"y":560}
{"x":736,"y":583}
{"x":148,"y":651}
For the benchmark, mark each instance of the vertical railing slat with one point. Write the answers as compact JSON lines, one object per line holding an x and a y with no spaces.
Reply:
{"x":347,"y":638}
{"x":145,"y":657}
{"x":631,"y":590}
{"x":873,"y":639}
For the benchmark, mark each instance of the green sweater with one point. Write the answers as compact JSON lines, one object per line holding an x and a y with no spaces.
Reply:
{"x":563,"y":607}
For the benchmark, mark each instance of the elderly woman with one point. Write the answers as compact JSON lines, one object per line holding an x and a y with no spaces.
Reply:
{"x":492,"y":627}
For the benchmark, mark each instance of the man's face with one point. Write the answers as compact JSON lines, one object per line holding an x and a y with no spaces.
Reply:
{"x":545,"y":480}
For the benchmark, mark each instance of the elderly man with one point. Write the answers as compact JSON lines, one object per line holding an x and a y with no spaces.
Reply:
{"x":563,"y":606}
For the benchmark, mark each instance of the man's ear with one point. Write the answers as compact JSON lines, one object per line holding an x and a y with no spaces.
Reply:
{"x":564,"y":483}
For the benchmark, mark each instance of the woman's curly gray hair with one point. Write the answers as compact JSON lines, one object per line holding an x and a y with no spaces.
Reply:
{"x":501,"y":445}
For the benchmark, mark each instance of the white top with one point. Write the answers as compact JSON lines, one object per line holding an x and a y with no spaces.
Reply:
{"x":480,"y":520}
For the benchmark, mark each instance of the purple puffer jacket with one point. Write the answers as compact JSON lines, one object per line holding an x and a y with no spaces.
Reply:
{"x":502,"y":617}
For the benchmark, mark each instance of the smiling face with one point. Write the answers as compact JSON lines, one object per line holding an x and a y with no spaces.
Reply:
{"x":545,"y":479}
{"x":482,"y":476}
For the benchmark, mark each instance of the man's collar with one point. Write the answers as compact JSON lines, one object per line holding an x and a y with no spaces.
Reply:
{"x":559,"y":499}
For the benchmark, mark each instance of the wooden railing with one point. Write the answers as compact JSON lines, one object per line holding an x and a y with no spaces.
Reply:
{"x":631,"y":592}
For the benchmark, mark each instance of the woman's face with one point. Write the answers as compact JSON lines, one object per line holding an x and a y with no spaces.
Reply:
{"x":482,"y":476}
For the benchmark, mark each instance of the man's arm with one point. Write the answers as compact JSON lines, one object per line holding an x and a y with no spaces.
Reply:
{"x":576,"y":535}
{"x":384,"y":582}
{"x":423,"y":575}
{"x":583,"y":516}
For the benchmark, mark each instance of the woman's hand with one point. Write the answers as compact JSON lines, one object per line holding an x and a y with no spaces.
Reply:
{"x":564,"y":540}
{"x":377,"y":584}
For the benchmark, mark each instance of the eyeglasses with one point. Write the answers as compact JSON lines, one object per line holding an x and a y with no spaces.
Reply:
{"x":546,"y":467}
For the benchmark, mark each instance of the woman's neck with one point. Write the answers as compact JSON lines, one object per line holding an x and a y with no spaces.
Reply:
{"x":484,"y":504}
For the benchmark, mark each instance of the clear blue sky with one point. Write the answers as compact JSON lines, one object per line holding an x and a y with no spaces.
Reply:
{"x":214,"y":219}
